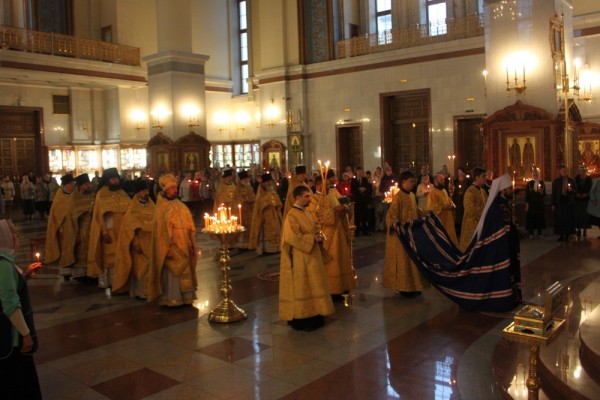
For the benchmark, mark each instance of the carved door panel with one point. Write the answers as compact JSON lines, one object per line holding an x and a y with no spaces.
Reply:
{"x":469,"y":143}
{"x":349,"y":146}
{"x":410,"y":139}
{"x":17,"y":156}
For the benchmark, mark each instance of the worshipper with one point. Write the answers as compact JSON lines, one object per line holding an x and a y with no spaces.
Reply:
{"x":27,"y":191}
{"x":594,"y":204}
{"x":440,"y":203}
{"x":18,"y":341}
{"x":265,"y":233}
{"x":185,"y":194}
{"x":387,"y":181}
{"x":473,"y":203}
{"x":77,"y":231}
{"x":488,"y":276}
{"x":8,"y":191}
{"x":225,"y":192}
{"x":489,"y":178}
{"x":563,"y":194}
{"x":583,"y":184}
{"x":345,"y":186}
{"x":244,"y":206}
{"x":299,"y":178}
{"x":362,"y":192}
{"x":57,"y":243}
{"x":135,"y":241}
{"x":332,"y":219}
{"x":41,"y":197}
{"x":424,"y":173}
{"x":461,"y":184}
{"x":95,"y":182}
{"x":109,"y":208}
{"x":172,"y":274}
{"x":304,"y":297}
{"x":53,"y":187}
{"x":535,"y":209}
{"x":423,"y":190}
{"x":400,"y":274}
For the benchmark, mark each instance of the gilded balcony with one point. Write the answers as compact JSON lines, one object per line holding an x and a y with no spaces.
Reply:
{"x":419,"y":35}
{"x":56,"y":44}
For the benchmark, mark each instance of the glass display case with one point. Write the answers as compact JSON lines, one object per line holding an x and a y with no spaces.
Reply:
{"x":237,"y":155}
{"x":61,"y":160}
{"x":88,"y":160}
{"x":133,"y":159}
{"x":110,"y":157}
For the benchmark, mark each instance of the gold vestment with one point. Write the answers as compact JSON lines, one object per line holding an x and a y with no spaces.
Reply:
{"x":436,"y":201}
{"x":303,"y":289}
{"x":399,"y":271}
{"x":265,"y":234}
{"x":226,"y":196}
{"x":80,"y":218}
{"x":289,"y":198}
{"x":473,"y":203}
{"x":244,"y":196}
{"x":56,"y":242}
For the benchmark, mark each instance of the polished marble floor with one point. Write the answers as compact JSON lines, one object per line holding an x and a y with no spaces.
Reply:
{"x":377,"y":346}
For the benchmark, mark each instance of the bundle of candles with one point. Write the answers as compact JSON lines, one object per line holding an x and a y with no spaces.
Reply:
{"x":324,"y":172}
{"x":390,"y":195}
{"x":223,"y":221}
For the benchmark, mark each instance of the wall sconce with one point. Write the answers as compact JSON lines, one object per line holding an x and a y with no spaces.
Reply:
{"x":241,"y":119}
{"x":519,"y":86}
{"x":158,"y":115}
{"x":586,"y":80}
{"x":293,"y":118}
{"x":192,"y":114}
{"x":485,"y":74}
{"x":271,"y":114}
{"x":221,"y":119}
{"x":139,"y":119}
{"x":84,"y":128}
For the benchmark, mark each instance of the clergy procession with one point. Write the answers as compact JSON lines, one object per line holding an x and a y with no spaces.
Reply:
{"x":137,"y":236}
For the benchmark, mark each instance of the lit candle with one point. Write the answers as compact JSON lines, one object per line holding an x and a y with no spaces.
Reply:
{"x":37,"y":256}
{"x":240,"y":213}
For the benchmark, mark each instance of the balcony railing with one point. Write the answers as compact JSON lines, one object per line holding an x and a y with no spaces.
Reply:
{"x":67,"y":46}
{"x":422,"y":34}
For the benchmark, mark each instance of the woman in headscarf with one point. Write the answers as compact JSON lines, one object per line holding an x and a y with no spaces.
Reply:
{"x":18,"y":341}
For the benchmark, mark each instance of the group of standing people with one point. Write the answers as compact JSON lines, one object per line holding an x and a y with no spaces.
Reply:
{"x":129,"y":244}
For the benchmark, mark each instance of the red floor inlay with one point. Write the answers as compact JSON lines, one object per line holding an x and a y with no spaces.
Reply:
{"x":135,"y":385}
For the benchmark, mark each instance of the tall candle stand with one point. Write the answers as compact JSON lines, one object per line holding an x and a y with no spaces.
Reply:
{"x":224,"y":227}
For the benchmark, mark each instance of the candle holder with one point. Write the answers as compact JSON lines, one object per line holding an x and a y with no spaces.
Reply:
{"x":224,"y":228}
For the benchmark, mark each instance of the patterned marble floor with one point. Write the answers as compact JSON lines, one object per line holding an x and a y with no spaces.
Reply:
{"x":378,"y":346}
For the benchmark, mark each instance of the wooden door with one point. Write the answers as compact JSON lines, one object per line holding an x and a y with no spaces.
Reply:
{"x":406,"y":137}
{"x":468,"y":140}
{"x":349,"y":146}
{"x":21,"y":143}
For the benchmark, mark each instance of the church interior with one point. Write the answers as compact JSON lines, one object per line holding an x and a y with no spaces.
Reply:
{"x":158,"y":86}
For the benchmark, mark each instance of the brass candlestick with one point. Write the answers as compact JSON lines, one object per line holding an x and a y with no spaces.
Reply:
{"x":225,"y":227}
{"x":227,"y":311}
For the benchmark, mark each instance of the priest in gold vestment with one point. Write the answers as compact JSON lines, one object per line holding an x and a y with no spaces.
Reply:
{"x":400,"y":274}
{"x":265,"y":234}
{"x":298,"y":179}
{"x":473,"y":203}
{"x":329,"y":215}
{"x":304,"y":297}
{"x":80,"y":219}
{"x":439,"y":202}
{"x":109,"y":207}
{"x":135,"y":243}
{"x":244,"y":201}
{"x":172,"y":274}
{"x":225,"y":195}
{"x":57,"y":243}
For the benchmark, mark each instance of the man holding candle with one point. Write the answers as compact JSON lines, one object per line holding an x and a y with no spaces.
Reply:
{"x":332,"y":220}
{"x":226,"y":191}
{"x":535,"y":209}
{"x":400,"y":273}
{"x":299,"y":179}
{"x":135,"y":243}
{"x":304,"y":297}
{"x":265,"y":233}
{"x":172,"y":273}
{"x":563,"y":197}
{"x":440,"y":203}
{"x":244,"y":199}
{"x":57,"y":243}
